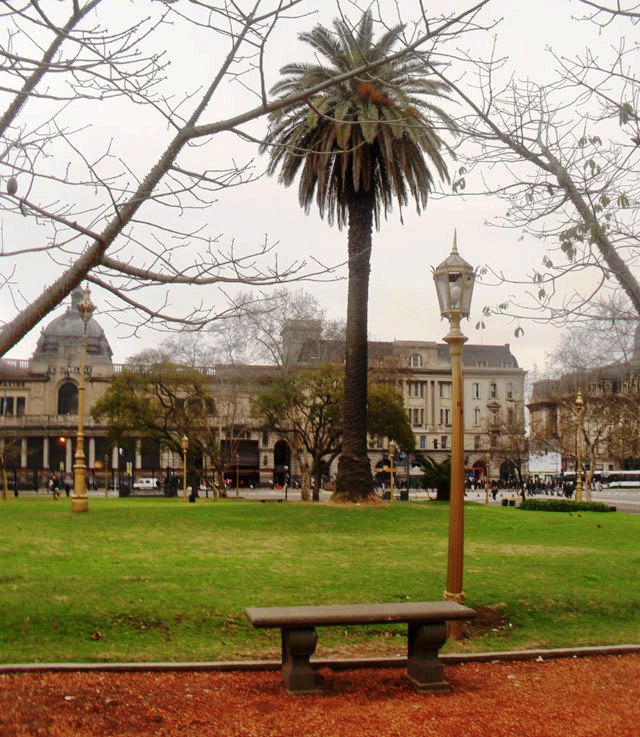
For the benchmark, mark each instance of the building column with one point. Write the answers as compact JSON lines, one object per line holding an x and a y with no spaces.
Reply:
{"x":114,"y":458}
{"x":92,"y":453}
{"x":68,"y":464}
{"x":138,"y":460}
{"x":23,"y":453}
{"x":45,"y":452}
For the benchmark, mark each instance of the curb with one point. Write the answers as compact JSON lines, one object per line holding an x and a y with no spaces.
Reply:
{"x":341,"y":664}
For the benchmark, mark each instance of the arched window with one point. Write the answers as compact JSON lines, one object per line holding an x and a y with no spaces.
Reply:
{"x":68,"y":399}
{"x":415,"y":360}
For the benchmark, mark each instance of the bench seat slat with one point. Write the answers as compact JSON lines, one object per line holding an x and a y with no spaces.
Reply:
{"x":343,"y":614}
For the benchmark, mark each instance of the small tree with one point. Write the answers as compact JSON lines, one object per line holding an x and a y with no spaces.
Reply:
{"x":436,"y":475}
{"x":158,"y":399}
{"x":307,"y":408}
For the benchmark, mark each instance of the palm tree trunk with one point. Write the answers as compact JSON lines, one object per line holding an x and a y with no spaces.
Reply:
{"x":354,"y":481}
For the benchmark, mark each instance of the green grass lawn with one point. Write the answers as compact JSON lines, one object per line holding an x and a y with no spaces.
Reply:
{"x":158,"y":579}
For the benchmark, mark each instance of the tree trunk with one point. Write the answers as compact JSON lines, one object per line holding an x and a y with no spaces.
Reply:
{"x":354,"y":481}
{"x":303,"y":462}
{"x":317,"y":475}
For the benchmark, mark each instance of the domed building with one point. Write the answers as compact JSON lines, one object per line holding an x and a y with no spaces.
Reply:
{"x":40,"y":395}
{"x":61,"y":340}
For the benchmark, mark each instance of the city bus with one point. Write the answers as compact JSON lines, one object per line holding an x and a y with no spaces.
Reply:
{"x":621,"y":479}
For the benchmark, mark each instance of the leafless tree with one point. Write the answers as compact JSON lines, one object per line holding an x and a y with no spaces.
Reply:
{"x":563,"y":153}
{"x":114,"y":215}
{"x":607,"y":339}
{"x":604,"y":13}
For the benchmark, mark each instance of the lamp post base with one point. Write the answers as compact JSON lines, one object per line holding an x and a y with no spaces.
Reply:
{"x":79,"y":503}
{"x":455,"y":626}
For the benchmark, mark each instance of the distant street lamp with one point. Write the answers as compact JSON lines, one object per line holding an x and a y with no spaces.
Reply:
{"x":286,"y":483}
{"x":106,"y":474}
{"x":454,"y":279}
{"x":393,"y":448}
{"x":237,"y":459}
{"x":579,"y":440}
{"x":185,"y":448}
{"x":80,"y":500}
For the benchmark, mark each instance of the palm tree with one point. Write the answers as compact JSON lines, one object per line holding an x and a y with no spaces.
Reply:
{"x":357,"y":146}
{"x":436,"y":475}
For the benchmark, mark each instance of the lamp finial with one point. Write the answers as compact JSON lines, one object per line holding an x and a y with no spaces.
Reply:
{"x":454,"y":250}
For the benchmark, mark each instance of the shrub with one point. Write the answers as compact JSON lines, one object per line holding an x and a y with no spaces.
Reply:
{"x":565,"y":505}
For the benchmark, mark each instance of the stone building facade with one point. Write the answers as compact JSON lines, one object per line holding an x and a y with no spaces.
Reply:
{"x":607,"y":426}
{"x":40,"y":406}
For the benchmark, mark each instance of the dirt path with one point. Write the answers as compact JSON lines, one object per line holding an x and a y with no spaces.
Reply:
{"x":572,"y":697}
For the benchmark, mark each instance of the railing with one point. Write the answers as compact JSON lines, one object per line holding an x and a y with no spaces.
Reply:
{"x":14,"y":364}
{"x":44,"y":421}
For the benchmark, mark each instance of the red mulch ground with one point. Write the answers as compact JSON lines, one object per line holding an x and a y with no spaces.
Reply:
{"x":576,"y":697}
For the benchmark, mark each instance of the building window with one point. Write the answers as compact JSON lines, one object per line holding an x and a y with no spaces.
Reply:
{"x":265,"y":439}
{"x":476,"y":417}
{"x":12,"y":405}
{"x":417,"y":417}
{"x":476,"y":442}
{"x":423,"y":442}
{"x":475,"y":390}
{"x":415,"y":388}
{"x":445,"y":390}
{"x":443,"y":441}
{"x":415,"y":360}
{"x":445,"y":417}
{"x":510,"y":416}
{"x":68,"y":399}
{"x":493,"y":391}
{"x":509,"y":390}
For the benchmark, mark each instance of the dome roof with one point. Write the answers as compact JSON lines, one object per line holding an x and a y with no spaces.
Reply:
{"x":67,"y":330}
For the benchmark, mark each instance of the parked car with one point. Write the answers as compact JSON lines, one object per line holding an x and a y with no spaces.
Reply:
{"x":146,"y":483}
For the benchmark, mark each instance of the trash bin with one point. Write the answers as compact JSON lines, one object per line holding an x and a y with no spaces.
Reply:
{"x":386,"y":495}
{"x":404,"y":495}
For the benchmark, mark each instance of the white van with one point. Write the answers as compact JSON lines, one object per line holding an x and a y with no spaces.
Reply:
{"x":146,"y":483}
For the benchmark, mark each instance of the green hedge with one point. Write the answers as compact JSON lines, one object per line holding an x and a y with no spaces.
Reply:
{"x":565,"y":505}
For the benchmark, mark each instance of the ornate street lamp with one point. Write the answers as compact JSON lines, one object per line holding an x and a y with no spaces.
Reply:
{"x":393,"y":449}
{"x":454,"y":279}
{"x":579,"y":440}
{"x":185,"y":448}
{"x":80,"y":500}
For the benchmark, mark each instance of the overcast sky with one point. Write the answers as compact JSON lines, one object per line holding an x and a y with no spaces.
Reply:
{"x":403,"y":304}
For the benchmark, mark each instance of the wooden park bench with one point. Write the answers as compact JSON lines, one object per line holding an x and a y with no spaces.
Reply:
{"x":427,"y":631}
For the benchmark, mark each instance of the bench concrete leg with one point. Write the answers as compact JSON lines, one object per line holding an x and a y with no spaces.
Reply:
{"x":424,"y":667}
{"x":297,"y":647}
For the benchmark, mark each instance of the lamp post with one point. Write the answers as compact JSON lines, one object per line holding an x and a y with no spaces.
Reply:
{"x":454,"y":279}
{"x":286,"y":483}
{"x":106,"y":474}
{"x":80,"y":500}
{"x":579,"y":412}
{"x":393,"y":447}
{"x":185,"y":448}
{"x":237,"y":459}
